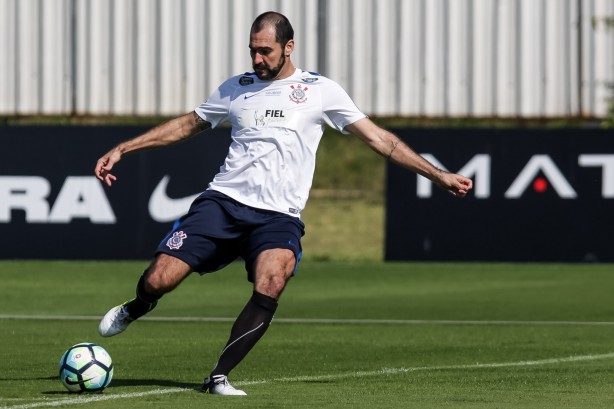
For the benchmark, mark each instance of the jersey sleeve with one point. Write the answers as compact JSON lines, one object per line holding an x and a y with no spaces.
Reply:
{"x":216,"y":108}
{"x":338,"y":108}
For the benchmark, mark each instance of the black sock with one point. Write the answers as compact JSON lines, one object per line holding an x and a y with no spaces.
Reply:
{"x":249,"y":327}
{"x":144,"y":302}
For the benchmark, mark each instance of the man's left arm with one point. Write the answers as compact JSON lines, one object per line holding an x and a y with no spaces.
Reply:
{"x":395,"y":150}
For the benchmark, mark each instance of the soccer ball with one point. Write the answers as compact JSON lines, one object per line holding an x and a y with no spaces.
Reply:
{"x":86,"y":367}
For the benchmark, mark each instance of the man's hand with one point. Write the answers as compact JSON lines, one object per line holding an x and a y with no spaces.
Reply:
{"x":105,"y":164}
{"x":458,"y":185}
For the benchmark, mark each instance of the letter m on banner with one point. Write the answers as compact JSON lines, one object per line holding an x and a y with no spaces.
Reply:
{"x":478,"y":169}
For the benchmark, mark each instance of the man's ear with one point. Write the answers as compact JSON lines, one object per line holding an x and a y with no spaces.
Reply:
{"x":289,"y":48}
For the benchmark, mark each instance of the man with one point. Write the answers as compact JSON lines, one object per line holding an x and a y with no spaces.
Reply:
{"x":252,"y":207}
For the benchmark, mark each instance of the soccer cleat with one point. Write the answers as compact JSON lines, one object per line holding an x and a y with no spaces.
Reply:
{"x":218,"y":385}
{"x":114,"y":321}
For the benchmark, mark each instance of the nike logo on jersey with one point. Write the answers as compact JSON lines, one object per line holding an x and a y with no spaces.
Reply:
{"x":165,"y":209}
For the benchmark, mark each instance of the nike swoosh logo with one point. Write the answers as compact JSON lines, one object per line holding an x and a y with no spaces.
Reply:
{"x":69,"y":382}
{"x":165,"y":209}
{"x":254,"y":94}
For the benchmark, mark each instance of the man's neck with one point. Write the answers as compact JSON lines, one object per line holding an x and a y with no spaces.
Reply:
{"x":286,"y":71}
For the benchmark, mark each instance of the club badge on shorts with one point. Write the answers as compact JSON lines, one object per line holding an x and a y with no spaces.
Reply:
{"x":176,"y":240}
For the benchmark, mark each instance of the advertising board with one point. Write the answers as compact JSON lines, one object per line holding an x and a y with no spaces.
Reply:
{"x":539,"y":195}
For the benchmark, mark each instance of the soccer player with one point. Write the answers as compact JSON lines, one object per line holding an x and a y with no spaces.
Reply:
{"x":251,"y":208}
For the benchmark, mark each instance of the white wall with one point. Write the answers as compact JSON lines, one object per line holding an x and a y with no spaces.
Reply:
{"x":482,"y":58}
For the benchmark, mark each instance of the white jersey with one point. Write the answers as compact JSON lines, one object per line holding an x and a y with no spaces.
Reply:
{"x":276,"y":128}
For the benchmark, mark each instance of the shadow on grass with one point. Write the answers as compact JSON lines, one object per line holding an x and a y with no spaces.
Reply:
{"x":155,"y":382}
{"x":38,"y":378}
{"x":130,"y":382}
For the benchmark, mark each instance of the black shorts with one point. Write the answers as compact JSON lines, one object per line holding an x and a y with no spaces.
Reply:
{"x":217,"y":230}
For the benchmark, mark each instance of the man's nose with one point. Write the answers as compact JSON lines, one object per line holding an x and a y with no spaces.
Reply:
{"x":257,"y":58}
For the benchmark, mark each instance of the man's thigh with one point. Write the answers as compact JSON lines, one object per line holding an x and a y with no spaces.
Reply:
{"x":278,"y":234}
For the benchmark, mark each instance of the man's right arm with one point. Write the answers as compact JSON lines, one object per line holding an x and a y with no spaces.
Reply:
{"x":391,"y":147}
{"x":168,"y":133}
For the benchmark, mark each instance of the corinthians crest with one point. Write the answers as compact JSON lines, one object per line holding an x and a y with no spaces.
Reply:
{"x":298,"y":94}
{"x":176,"y":240}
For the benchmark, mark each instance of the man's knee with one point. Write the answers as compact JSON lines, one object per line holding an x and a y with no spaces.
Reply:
{"x":273,"y":269}
{"x":154,"y":283}
{"x":271,"y":285}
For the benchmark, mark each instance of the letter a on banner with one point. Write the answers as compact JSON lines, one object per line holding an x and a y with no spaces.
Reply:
{"x":81,"y":197}
{"x":544,"y":164}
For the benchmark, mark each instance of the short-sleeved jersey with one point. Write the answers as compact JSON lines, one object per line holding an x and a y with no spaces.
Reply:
{"x":276,"y":128}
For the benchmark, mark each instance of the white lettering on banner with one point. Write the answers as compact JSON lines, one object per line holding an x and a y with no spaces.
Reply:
{"x":79,"y":197}
{"x":544,"y":164}
{"x":607,"y":178}
{"x":26,"y":193}
{"x":479,"y":169}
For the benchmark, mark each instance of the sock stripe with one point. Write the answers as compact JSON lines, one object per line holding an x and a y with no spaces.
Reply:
{"x":242,"y":336}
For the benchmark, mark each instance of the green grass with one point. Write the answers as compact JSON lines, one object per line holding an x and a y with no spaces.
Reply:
{"x":533,"y":318}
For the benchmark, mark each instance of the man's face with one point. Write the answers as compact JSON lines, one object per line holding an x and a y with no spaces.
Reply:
{"x":268,"y":56}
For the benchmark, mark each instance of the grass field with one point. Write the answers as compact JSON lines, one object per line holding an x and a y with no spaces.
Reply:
{"x":347,"y":335}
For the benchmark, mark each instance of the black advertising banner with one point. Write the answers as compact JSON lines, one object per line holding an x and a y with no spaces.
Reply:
{"x":539,"y":195}
{"x":52,"y":206}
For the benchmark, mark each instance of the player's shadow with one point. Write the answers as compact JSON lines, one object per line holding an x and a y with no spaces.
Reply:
{"x":154,"y":382}
{"x":133,"y":382}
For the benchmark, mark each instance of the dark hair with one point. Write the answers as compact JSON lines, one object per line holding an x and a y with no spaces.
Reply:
{"x":283,"y":29}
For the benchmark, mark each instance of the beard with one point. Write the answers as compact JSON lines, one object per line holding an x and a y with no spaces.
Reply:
{"x":265,"y":73}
